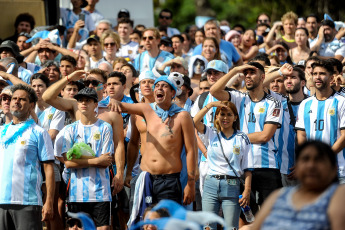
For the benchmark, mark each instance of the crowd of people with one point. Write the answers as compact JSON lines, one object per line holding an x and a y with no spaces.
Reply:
{"x":110,"y":120}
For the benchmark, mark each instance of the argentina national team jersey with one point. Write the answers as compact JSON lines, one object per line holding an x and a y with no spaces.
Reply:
{"x":144,"y":62}
{"x":323,"y":120}
{"x":209,"y":117}
{"x":129,"y":50}
{"x":90,"y":184}
{"x":237,"y":149}
{"x":50,"y":118}
{"x":253,"y":117}
{"x":20,"y":164}
{"x":286,"y":135}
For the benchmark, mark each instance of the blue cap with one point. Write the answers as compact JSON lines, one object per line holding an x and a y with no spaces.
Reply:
{"x":167,"y":80}
{"x":217,"y":65}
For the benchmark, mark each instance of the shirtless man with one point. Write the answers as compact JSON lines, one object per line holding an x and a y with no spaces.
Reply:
{"x":169,"y":128}
{"x":96,"y":79}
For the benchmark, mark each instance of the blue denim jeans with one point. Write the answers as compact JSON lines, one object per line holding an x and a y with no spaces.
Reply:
{"x":223,"y":192}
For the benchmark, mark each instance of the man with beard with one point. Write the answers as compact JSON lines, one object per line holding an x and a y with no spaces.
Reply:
{"x":328,"y":45}
{"x":287,"y":87}
{"x":260,"y":115}
{"x":321,"y":117}
{"x":25,"y":148}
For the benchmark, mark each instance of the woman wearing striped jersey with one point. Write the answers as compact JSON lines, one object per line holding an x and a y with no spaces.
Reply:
{"x":221,"y":186}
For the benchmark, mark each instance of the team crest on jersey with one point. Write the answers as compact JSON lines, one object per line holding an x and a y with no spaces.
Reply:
{"x":23,"y":143}
{"x":215,"y":144}
{"x":50,"y":116}
{"x":130,"y":51}
{"x":331,"y":111}
{"x":97,"y":136}
{"x":236,"y":150}
{"x":261,"y":109}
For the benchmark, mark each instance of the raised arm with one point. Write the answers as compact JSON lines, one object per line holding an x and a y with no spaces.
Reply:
{"x":199,"y":116}
{"x":74,"y":38}
{"x":15,"y":80}
{"x":285,"y":70}
{"x":51,"y":95}
{"x":61,"y":50}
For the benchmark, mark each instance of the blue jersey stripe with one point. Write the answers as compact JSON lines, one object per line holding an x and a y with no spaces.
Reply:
{"x":334,"y":122}
{"x":252,"y":119}
{"x":98,"y":186}
{"x":264,"y":146}
{"x":86,"y":180}
{"x":307,"y":119}
{"x":320,"y":121}
{"x":242,"y":113}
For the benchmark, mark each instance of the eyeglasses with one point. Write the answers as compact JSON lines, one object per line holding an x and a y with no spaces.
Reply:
{"x":93,"y":82}
{"x":111,"y":44}
{"x":164,"y":17}
{"x":149,"y":37}
{"x":24,"y":34}
{"x":141,"y":47}
{"x":6,"y":98}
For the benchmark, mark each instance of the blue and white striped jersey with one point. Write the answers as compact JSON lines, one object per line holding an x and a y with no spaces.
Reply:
{"x":285,"y":137}
{"x":209,"y":117}
{"x":323,"y":120}
{"x":253,"y":117}
{"x":237,"y":149}
{"x":144,"y":62}
{"x":20,"y":163}
{"x":90,"y":184}
{"x":50,"y":118}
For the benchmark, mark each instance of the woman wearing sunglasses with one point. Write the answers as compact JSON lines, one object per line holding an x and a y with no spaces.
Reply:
{"x":110,"y":44}
{"x":229,"y":156}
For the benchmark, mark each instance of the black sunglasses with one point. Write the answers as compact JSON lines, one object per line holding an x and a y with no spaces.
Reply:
{"x":6,"y":98}
{"x":164,"y":17}
{"x":149,"y":37}
{"x":93,"y":82}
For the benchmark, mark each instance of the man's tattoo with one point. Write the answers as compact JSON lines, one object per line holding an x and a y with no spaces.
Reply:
{"x":168,"y":130}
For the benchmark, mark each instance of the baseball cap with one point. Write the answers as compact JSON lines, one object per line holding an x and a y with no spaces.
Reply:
{"x":187,"y":84}
{"x":257,"y":65}
{"x":147,"y":75}
{"x":217,"y":65}
{"x":166,"y":41}
{"x":181,"y":61}
{"x":123,"y":13}
{"x":87,"y":92}
{"x":7,"y":90}
{"x":14,"y":49}
{"x":92,"y":38}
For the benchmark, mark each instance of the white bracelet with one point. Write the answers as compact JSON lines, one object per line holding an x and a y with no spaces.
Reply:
{"x":280,"y":73}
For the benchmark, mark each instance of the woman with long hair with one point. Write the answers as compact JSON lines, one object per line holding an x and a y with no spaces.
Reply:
{"x":229,"y":156}
{"x":110,"y":42}
{"x":302,"y":51}
{"x":210,"y":49}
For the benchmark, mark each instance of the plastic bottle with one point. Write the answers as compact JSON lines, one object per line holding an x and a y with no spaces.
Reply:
{"x":247,"y":213}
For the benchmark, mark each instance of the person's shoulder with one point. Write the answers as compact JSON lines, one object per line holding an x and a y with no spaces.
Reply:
{"x":104,"y":124}
{"x":270,"y":99}
{"x":243,"y":137}
{"x":167,"y":54}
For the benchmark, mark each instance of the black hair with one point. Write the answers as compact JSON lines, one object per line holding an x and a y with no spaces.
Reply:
{"x":336,"y":63}
{"x":324,"y":64}
{"x":300,"y":73}
{"x":135,"y":31}
{"x":262,"y":57}
{"x":313,"y":16}
{"x":288,"y":58}
{"x":30,"y":91}
{"x":187,"y":35}
{"x":179,"y":36}
{"x":99,"y":72}
{"x":162,"y":28}
{"x":70,"y":59}
{"x":25,"y":17}
{"x":304,"y":29}
{"x":323,"y":150}
{"x":257,"y":65}
{"x":126,"y":21}
{"x":311,"y":58}
{"x":42,"y":77}
{"x":203,"y":78}
{"x":241,"y":26}
{"x":328,"y":23}
{"x":166,"y":11}
{"x":119,"y":75}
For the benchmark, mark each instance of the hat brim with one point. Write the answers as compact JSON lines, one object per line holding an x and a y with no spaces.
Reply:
{"x":92,"y":39}
{"x":78,"y":96}
{"x":18,"y":56}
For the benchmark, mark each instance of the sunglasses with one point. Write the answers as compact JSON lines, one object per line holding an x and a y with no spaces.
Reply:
{"x":149,"y":37}
{"x":141,"y":47}
{"x":263,"y":21}
{"x":24,"y":34}
{"x":110,"y":44}
{"x":164,"y":17}
{"x":6,"y":98}
{"x":93,"y":82}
